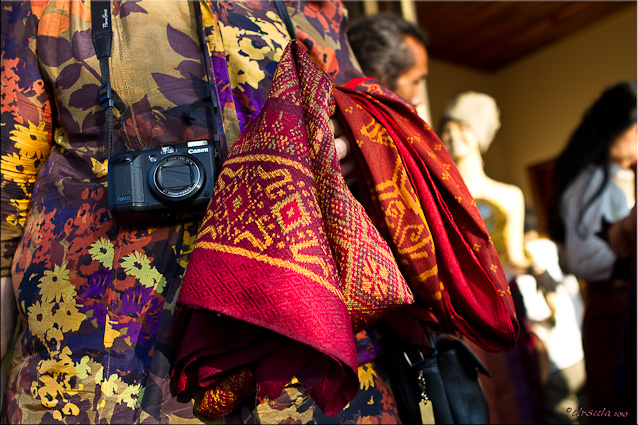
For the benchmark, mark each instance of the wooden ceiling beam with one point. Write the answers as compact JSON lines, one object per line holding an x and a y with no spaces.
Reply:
{"x":488,"y":35}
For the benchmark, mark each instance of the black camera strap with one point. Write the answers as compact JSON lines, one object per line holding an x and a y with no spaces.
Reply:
{"x":212,"y":92}
{"x":283,"y":12}
{"x":102,"y":34}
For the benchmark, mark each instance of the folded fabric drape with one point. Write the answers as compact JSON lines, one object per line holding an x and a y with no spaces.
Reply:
{"x":419,"y":201}
{"x":286,"y":252}
{"x":287,"y":264}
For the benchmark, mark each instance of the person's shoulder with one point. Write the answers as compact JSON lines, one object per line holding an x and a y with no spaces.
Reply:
{"x":505,"y":190}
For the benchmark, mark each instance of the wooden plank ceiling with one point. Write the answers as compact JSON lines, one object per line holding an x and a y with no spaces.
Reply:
{"x":488,"y":35}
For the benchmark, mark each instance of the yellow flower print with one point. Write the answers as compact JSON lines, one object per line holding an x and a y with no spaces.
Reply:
{"x":131,"y":396}
{"x":21,"y":170}
{"x":58,"y":378}
{"x":159,"y":282}
{"x":366,"y":376}
{"x":186,"y":248}
{"x":109,"y":386}
{"x":60,"y":363}
{"x":189,"y":239}
{"x":245,"y":56}
{"x":110,"y":334}
{"x":68,"y":409}
{"x":98,"y":375}
{"x":249,"y":71}
{"x":54,"y":376}
{"x":14,"y":220}
{"x":32,"y":141}
{"x":39,"y":318}
{"x":99,"y":168}
{"x":83,"y":368}
{"x":48,"y":392}
{"x":139,"y":266}
{"x":112,"y":386}
{"x":55,"y":285}
{"x":67,"y":317}
{"x":34,"y":389}
{"x":54,"y":334}
{"x":103,"y":251}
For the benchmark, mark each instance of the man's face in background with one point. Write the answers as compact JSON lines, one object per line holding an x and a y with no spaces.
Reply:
{"x":409,"y":82}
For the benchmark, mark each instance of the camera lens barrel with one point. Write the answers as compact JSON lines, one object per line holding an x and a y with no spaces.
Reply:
{"x":177,"y":178}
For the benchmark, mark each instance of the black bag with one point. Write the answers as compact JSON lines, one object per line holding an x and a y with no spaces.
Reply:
{"x":447,"y":379}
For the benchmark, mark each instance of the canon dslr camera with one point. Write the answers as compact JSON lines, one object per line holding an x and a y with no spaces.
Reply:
{"x":168,"y":182}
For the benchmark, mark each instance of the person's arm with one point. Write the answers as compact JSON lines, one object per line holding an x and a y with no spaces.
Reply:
{"x":26,"y":122}
{"x":9,"y":314}
{"x":622,"y":236}
{"x":587,"y":253}
{"x":26,"y":137}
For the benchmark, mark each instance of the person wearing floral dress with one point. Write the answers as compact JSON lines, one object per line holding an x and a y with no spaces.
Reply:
{"x":95,"y":299}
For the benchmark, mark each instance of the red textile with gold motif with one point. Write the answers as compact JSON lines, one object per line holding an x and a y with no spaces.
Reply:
{"x":287,"y":263}
{"x":285,"y":247}
{"x":418,"y":200}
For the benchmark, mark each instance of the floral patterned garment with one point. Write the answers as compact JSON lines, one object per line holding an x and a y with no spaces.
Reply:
{"x":96,"y":299}
{"x":373,"y":403}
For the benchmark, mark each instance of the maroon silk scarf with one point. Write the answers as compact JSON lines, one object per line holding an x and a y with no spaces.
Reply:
{"x":288,"y":264}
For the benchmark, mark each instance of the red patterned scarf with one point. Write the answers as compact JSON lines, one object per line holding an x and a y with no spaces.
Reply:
{"x":287,"y":253}
{"x":288,"y":264}
{"x":420,"y":203}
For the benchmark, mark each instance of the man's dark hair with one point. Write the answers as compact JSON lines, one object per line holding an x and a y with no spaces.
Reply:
{"x":378,"y":44}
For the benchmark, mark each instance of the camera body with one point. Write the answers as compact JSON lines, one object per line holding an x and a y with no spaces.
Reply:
{"x":169,"y":182}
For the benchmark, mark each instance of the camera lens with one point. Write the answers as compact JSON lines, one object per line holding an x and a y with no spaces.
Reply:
{"x":177,"y":177}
